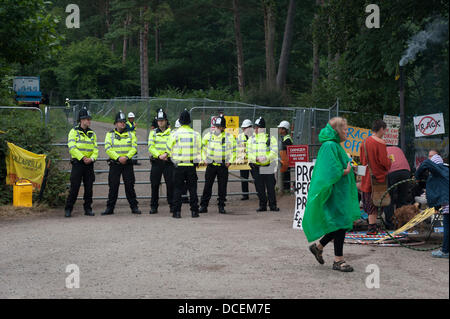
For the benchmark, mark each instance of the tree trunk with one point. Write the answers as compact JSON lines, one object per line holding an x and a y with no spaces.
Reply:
{"x":239,"y":50}
{"x":286,"y":48}
{"x":145,"y":58}
{"x":125,"y":38}
{"x":156,"y":43}
{"x":316,"y":64}
{"x":269,"y":31}
{"x":141,"y":53}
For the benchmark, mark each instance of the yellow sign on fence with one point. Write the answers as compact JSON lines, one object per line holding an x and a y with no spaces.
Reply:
{"x":232,"y":125}
{"x":21,"y":163}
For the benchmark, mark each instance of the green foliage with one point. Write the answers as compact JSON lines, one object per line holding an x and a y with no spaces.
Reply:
{"x":29,"y":133}
{"x":88,"y":69}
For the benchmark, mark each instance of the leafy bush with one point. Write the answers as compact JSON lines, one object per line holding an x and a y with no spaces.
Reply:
{"x":29,"y":133}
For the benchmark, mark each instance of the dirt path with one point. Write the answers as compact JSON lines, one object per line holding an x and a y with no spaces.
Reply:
{"x":243,"y":254}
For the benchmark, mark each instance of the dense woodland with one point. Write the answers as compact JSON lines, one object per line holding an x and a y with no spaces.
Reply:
{"x":286,"y":52}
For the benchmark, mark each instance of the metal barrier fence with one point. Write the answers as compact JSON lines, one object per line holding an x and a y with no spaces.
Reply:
{"x":12,"y":109}
{"x":305,"y":122}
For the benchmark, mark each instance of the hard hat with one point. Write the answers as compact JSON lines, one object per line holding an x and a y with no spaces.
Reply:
{"x":131,"y":114}
{"x":177,"y":123}
{"x":246,"y":123}
{"x":284,"y":124}
{"x":161,"y":115}
{"x":84,"y":114}
{"x":185,"y":117}
{"x":260,"y":122}
{"x":120,"y":117}
{"x":220,"y":122}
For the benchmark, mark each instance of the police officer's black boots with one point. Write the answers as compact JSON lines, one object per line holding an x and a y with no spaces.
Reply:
{"x":153,"y":210}
{"x":222,"y":210}
{"x":135,"y":210}
{"x":203,"y":210}
{"x":88,"y":212}
{"x":108,"y":211}
{"x":195,"y":214}
{"x":262,"y":209}
{"x":68,"y":212}
{"x":274,"y":209}
{"x":245,"y":197}
{"x":176,"y":215}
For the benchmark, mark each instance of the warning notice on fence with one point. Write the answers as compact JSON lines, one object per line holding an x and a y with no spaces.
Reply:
{"x":297,"y":153}
{"x":303,"y":173}
{"x":427,"y":125}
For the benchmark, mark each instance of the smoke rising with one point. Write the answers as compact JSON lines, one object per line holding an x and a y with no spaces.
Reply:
{"x":434,"y":32}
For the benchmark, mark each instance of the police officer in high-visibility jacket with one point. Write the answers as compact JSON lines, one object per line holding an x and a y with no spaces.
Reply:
{"x":263,"y":157}
{"x":83,"y":149}
{"x":286,"y":140}
{"x":120,"y":146}
{"x":242,"y":153}
{"x":161,"y":162}
{"x":184,"y":146}
{"x":218,"y":152}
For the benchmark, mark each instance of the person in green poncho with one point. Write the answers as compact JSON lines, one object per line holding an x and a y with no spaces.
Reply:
{"x":332,"y":205}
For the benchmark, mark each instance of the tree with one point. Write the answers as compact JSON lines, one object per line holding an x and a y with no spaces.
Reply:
{"x":269,"y":7}
{"x":239,"y":50}
{"x":286,"y":48}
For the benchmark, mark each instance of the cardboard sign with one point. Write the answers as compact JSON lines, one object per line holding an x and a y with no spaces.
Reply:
{"x":303,"y":174}
{"x":232,"y":125}
{"x":427,"y":125}
{"x":297,"y":153}
{"x":355,"y":136}
{"x":392,"y":129}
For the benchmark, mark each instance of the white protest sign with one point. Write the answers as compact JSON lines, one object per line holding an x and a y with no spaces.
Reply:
{"x":303,"y":173}
{"x":392,"y":129}
{"x":426,"y":125}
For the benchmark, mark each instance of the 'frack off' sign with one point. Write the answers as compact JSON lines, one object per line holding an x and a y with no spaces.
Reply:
{"x":303,"y":173}
{"x":427,"y":125}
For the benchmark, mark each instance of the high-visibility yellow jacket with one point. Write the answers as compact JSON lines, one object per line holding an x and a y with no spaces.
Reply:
{"x":120,"y":144}
{"x":219,"y":149}
{"x":184,"y":146}
{"x":157,"y":142}
{"x":258,"y":146}
{"x":242,"y":148}
{"x":82,"y":143}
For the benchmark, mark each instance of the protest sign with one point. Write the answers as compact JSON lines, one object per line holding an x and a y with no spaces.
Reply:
{"x":303,"y":174}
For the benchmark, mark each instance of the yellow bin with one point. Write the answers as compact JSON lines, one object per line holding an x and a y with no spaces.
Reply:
{"x":23,"y":193}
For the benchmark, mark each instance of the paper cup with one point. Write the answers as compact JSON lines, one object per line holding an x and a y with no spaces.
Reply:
{"x":361,"y":170}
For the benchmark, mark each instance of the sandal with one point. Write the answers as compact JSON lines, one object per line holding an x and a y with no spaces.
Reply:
{"x":317,"y":253}
{"x":342,"y":266}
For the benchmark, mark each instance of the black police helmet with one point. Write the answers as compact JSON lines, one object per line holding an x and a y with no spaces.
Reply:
{"x":185,"y":117}
{"x":120,"y":117}
{"x":84,"y":114}
{"x":161,"y":115}
{"x":260,"y":122}
{"x":220,"y":122}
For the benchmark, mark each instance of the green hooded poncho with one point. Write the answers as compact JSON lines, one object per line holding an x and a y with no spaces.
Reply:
{"x":332,"y":198}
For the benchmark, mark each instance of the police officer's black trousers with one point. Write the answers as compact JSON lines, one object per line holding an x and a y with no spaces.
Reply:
{"x":185,"y":176}
{"x":287,"y":180}
{"x":127,"y":172}
{"x":222,"y":180}
{"x":245,"y":175}
{"x":81,"y":172}
{"x":160,"y":168}
{"x":263,"y":182}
